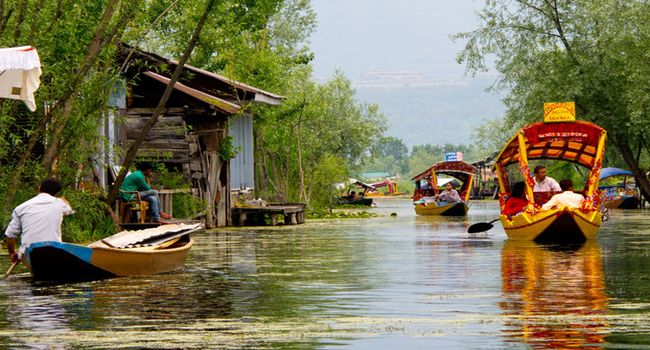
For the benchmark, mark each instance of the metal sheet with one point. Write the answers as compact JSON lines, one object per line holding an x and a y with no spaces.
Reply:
{"x":242,"y":170}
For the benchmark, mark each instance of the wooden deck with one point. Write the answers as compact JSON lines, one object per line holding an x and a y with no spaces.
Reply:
{"x":274,"y":214}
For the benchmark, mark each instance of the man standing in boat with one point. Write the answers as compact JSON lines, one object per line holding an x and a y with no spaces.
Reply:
{"x":137,"y":181}
{"x":38,"y":219}
{"x":544,"y":183}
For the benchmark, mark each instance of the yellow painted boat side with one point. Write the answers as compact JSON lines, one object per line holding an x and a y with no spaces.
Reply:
{"x":526,"y":227}
{"x":433,"y":209}
{"x":141,"y":261}
{"x":588,"y":222}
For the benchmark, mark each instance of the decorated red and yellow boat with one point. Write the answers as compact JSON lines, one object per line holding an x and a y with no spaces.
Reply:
{"x":426,"y":188}
{"x":578,"y":142}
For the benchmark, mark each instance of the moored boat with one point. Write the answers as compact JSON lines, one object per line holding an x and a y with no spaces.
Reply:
{"x":128,"y":253}
{"x":423,"y":195}
{"x":360,"y":198}
{"x":391,"y":185}
{"x":621,"y":195}
{"x":578,"y":142}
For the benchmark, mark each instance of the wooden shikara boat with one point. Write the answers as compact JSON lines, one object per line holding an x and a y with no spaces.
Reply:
{"x":393,"y":189}
{"x":128,"y":253}
{"x":357,"y":200}
{"x":463,"y":172}
{"x":579,"y":142}
{"x":619,"y":196}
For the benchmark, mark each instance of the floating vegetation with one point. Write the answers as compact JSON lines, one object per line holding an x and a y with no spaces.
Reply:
{"x":340,"y":215}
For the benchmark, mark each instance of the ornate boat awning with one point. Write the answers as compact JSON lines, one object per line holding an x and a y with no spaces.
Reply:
{"x":457,"y":169}
{"x":575,"y":142}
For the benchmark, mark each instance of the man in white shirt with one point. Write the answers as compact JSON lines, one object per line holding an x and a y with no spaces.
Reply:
{"x":568,"y":198}
{"x":38,"y":219}
{"x":544,"y":183}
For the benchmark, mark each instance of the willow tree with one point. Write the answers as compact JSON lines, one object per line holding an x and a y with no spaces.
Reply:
{"x":592,"y":52}
{"x":75,"y":40}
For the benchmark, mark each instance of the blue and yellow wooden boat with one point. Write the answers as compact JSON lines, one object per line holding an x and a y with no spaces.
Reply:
{"x":128,"y":253}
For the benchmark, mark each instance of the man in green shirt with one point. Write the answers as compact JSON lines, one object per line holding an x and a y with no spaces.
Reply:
{"x":137,"y":181}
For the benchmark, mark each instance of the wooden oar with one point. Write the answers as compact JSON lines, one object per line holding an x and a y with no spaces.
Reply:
{"x":481,"y":226}
{"x":11,"y":268}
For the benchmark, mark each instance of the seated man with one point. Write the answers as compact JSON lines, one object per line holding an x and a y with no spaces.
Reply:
{"x":137,"y":182}
{"x":544,"y":183}
{"x":567,"y":198}
{"x":449,"y":195}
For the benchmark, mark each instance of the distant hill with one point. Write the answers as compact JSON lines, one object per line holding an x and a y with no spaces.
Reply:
{"x":424,"y":111}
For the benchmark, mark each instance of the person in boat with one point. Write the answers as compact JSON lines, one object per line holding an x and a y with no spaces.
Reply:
{"x":38,"y":219}
{"x":544,"y":183}
{"x":138,"y":181}
{"x":517,"y":201}
{"x":449,"y":195}
{"x":567,"y":198}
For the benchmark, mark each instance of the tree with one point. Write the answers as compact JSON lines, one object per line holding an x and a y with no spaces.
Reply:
{"x":590,"y":52}
{"x":393,"y":153}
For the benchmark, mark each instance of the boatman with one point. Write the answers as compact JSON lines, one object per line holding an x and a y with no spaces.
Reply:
{"x":544,"y":183}
{"x":38,"y":219}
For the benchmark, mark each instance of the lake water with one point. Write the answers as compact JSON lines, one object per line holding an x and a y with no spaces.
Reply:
{"x":386,"y":282}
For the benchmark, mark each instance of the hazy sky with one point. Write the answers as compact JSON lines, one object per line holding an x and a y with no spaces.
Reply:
{"x":361,"y":35}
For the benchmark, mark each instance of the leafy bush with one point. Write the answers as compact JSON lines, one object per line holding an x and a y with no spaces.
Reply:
{"x":91,"y":220}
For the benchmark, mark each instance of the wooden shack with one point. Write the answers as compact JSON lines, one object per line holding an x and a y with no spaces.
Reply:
{"x":192,"y":134}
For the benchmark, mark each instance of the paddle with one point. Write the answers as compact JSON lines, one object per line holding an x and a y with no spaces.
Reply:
{"x":11,"y":268}
{"x":481,"y":226}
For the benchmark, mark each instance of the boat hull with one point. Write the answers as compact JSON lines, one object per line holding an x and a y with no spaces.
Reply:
{"x":626,"y":202}
{"x":63,"y":262}
{"x":452,"y":209}
{"x":363,"y":201}
{"x":556,"y":225}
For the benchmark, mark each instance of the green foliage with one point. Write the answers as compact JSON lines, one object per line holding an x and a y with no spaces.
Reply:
{"x":228,"y":150}
{"x":326,"y":173}
{"x":389,"y":154}
{"x":90,"y":221}
{"x":185,"y":205}
{"x":592,"y":52}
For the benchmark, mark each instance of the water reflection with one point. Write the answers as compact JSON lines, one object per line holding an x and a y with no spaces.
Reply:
{"x":39,"y":314}
{"x":553,"y":298}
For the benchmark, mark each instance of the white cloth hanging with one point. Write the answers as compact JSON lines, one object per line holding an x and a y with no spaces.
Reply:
{"x":20,"y":72}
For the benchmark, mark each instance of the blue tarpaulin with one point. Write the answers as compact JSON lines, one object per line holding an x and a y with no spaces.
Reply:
{"x":609,"y":172}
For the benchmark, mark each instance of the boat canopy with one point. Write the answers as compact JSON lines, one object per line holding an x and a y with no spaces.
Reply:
{"x":362,"y":184}
{"x":575,"y":142}
{"x":579,"y":142}
{"x":610,"y":172}
{"x":460,"y":170}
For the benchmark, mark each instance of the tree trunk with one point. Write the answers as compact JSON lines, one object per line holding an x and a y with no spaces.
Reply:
{"x":133,"y":149}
